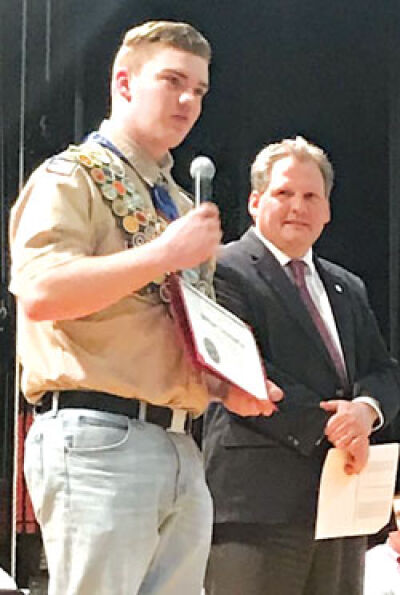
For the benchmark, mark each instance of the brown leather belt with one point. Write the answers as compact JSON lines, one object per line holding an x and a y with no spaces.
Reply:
{"x":132,"y":408}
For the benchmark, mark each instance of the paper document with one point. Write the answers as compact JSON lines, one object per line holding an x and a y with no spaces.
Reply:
{"x":356,"y":504}
{"x":216,"y":339}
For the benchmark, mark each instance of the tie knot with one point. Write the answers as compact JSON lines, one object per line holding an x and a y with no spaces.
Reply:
{"x":163,"y":202}
{"x":298,"y":268}
{"x":162,"y":181}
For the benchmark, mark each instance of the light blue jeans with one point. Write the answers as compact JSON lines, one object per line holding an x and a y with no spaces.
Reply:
{"x":123,"y":505}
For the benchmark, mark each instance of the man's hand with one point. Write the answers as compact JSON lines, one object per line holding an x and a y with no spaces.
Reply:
{"x":356,"y":455}
{"x":240,"y":402}
{"x":350,"y":420}
{"x":193,"y":238}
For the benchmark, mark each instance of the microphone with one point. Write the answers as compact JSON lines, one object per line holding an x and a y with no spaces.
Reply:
{"x":202,"y":170}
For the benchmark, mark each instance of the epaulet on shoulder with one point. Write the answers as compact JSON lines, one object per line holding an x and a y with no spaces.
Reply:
{"x":63,"y":164}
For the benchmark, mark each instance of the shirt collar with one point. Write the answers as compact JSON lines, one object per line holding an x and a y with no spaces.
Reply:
{"x":392,"y":552}
{"x":151,"y":171}
{"x":283,"y":258}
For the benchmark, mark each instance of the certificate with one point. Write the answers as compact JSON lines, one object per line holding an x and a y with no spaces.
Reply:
{"x":357,"y":504}
{"x":217,"y":340}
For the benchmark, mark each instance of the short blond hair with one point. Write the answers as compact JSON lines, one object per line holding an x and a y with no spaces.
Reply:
{"x":181,"y":36}
{"x":301,"y":149}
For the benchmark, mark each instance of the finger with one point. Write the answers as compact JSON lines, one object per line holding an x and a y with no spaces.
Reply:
{"x":329,"y":405}
{"x":241,"y":403}
{"x":344,"y":441}
{"x":349,"y":464}
{"x":267,"y":408}
{"x":260,"y":406}
{"x":342,"y":419}
{"x":256,"y":406}
{"x":349,"y":469}
{"x":338,"y":424}
{"x":274,"y":392}
{"x":351,"y":430}
{"x":335,"y":426}
{"x":360,"y":450}
{"x":356,"y":456}
{"x":354,"y":468}
{"x":208,"y":209}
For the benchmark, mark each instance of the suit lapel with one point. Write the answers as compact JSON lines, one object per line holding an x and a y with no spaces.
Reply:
{"x":270,"y":270}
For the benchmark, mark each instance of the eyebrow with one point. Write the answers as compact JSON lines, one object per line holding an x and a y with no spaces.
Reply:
{"x":183,"y":75}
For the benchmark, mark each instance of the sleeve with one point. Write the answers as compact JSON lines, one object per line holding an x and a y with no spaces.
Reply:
{"x":50,"y":224}
{"x":377,"y":374}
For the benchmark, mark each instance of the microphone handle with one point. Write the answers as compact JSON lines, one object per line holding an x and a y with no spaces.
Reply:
{"x":202,"y":189}
{"x":202,"y":193}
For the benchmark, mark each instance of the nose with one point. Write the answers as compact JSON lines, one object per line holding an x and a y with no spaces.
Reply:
{"x":186,"y":98}
{"x":298,"y":203}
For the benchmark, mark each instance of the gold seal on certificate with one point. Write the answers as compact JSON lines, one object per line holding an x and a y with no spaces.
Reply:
{"x":217,"y":340}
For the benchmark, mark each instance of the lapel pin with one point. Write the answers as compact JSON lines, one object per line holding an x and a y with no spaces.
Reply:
{"x":338,"y":288}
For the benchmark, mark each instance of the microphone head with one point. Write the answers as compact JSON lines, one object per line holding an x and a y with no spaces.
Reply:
{"x":202,"y":166}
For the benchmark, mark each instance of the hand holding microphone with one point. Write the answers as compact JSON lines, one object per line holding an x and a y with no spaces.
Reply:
{"x":195,"y":237}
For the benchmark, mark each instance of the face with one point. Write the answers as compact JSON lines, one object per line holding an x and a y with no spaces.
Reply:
{"x":163,"y":99}
{"x":292,"y":212}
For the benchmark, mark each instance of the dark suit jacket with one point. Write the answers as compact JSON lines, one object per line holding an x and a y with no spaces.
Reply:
{"x":268,"y":469}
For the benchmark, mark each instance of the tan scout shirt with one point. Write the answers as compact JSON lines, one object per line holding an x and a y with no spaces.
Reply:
{"x":128,"y":349}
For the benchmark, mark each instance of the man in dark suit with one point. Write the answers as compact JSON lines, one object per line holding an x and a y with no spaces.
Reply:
{"x":320,"y":343}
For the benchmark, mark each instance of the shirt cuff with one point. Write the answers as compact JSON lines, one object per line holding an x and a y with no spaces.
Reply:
{"x":376,"y":407}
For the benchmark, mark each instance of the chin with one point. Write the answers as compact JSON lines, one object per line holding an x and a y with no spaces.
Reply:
{"x":176,"y":140}
{"x":295,"y":249}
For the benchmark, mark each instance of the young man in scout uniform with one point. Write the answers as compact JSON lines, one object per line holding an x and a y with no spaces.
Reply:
{"x":114,"y":475}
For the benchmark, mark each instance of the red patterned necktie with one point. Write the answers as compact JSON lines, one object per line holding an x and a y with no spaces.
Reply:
{"x":298,"y":271}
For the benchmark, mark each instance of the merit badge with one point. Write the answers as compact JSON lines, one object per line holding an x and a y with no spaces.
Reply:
{"x":117,"y":169}
{"x":139,"y":238}
{"x":119,"y":207}
{"x":98,"y":175}
{"x":108,"y":191}
{"x":130,"y":224}
{"x":131,"y":209}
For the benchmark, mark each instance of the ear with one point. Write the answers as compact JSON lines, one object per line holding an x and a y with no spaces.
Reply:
{"x":328,"y":212}
{"x":122,"y":84}
{"x":253,"y":204}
